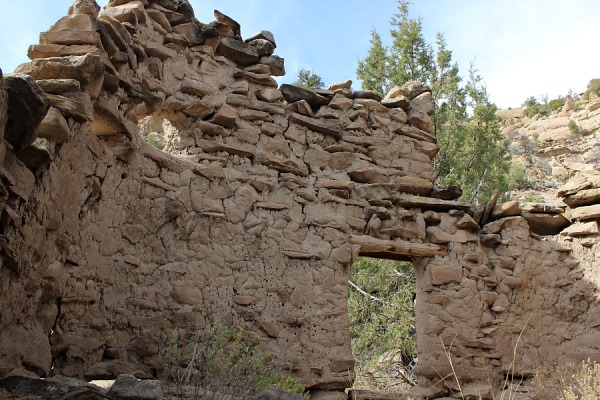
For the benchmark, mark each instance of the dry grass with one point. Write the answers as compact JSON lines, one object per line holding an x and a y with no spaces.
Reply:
{"x":570,"y":382}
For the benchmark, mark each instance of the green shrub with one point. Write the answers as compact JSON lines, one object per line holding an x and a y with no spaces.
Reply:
{"x":533,"y":107}
{"x":156,"y":143}
{"x":223,"y":360}
{"x":382,"y":323}
{"x":573,"y":127}
{"x":593,"y":87}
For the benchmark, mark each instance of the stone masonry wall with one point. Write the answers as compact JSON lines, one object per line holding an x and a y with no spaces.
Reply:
{"x":252,"y":215}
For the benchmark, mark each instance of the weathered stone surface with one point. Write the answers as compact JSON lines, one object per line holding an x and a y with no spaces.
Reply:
{"x":372,"y":247}
{"x":584,"y":197}
{"x":543,"y":208}
{"x":27,"y":107}
{"x":426,"y":203}
{"x":238,"y":52}
{"x":76,"y":106}
{"x":415,"y":89}
{"x":437,"y":235}
{"x":260,"y":79}
{"x":397,"y":97}
{"x":37,"y":155}
{"x":250,"y":211}
{"x":420,"y":120}
{"x":272,"y":95}
{"x":113,"y":368}
{"x":341,"y":85}
{"x":22,"y":387}
{"x":59,"y":86}
{"x":292,"y":94}
{"x":275,"y":63}
{"x":263,"y":47}
{"x":446,"y":192}
{"x":577,"y":184}
{"x":441,"y":274}
{"x":226,"y":116}
{"x":586,"y":213}
{"x":414,"y":185}
{"x":424,"y":102}
{"x":87,"y":69}
{"x":301,"y":107}
{"x":581,"y":229}
{"x":327,"y":128}
{"x":282,"y":164}
{"x":546,"y":224}
{"x":366,"y":94}
{"x":128,"y":387}
{"x":508,"y":209}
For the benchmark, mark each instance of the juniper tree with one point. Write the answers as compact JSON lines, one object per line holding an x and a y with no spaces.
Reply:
{"x":308,"y":79}
{"x":373,"y":69}
{"x":465,"y":125}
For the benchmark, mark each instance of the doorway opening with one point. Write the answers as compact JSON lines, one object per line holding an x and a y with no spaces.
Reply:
{"x":381,"y":310}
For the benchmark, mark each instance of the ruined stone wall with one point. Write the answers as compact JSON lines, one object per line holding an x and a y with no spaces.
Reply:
{"x":252,"y":215}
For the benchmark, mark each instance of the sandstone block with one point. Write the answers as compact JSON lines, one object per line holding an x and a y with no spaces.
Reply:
{"x":69,"y":37}
{"x":420,"y":120}
{"x":87,"y":69}
{"x":584,"y":197}
{"x":586,"y":213}
{"x":271,"y":95}
{"x":443,"y":274}
{"x":508,"y":209}
{"x":226,"y":116}
{"x":259,"y":79}
{"x":275,"y":63}
{"x":424,"y":102}
{"x":325,"y":127}
{"x":581,"y":229}
{"x":547,"y":224}
{"x":238,"y":52}
{"x":292,"y":94}
{"x":397,"y":97}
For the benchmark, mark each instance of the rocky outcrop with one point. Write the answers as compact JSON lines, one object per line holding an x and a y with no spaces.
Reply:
{"x":252,"y":214}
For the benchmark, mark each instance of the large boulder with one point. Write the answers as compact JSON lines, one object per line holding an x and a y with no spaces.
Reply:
{"x":27,"y":107}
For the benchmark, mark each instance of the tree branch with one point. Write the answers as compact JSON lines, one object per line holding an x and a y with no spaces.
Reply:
{"x":370,"y":296}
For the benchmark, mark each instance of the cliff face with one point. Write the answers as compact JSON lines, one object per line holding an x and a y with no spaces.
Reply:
{"x":252,"y":215}
{"x":555,"y":147}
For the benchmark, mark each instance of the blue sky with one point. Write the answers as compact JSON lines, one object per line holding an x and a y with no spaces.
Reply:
{"x":522,"y":48}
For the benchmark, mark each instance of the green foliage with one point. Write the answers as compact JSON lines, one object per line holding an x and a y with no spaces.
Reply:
{"x":226,"y":361}
{"x":533,"y":107}
{"x":156,"y":143}
{"x":410,"y":56}
{"x":308,"y":79}
{"x":472,"y":152}
{"x":570,"y":382}
{"x":593,"y":87}
{"x":573,"y":127}
{"x":372,"y":69}
{"x":382,"y":322}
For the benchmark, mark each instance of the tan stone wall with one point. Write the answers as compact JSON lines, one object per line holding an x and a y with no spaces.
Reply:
{"x":253,"y":214}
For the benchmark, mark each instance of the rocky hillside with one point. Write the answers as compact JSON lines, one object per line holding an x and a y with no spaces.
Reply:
{"x":554,"y":148}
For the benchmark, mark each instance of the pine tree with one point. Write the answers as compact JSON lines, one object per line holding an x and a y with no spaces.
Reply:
{"x":308,"y":79}
{"x":373,"y":69}
{"x":411,"y":57}
{"x":472,"y":154}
